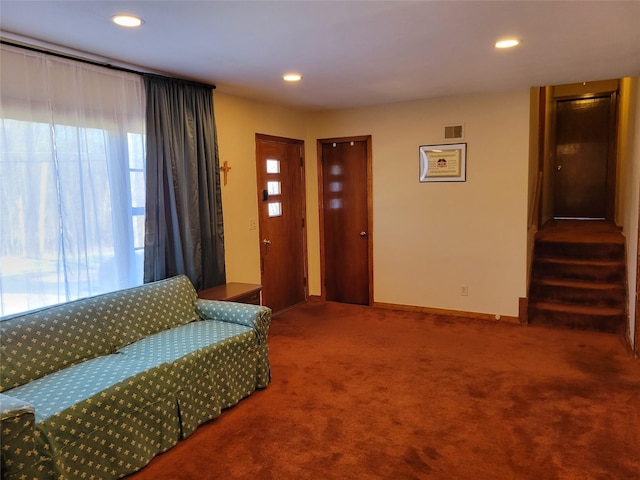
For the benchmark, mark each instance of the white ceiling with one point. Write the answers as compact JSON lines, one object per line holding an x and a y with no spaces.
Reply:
{"x":351,"y":53}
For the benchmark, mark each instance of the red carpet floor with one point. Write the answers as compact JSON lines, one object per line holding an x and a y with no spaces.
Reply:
{"x":367,"y":393}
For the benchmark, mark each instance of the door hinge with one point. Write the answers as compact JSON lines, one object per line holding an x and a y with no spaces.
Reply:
{"x":302,"y":222}
{"x":304,"y":281}
{"x":301,"y":162}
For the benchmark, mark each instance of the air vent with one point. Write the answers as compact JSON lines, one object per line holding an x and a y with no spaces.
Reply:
{"x":453,"y":131}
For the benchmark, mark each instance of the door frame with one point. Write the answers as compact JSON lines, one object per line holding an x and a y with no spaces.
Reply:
{"x":302,"y":202}
{"x":319,"y":145}
{"x":636,"y":347}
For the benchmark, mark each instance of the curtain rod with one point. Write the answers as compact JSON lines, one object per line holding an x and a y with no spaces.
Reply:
{"x":99,"y":64}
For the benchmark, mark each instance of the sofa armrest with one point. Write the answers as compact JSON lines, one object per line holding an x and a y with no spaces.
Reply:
{"x":17,"y":422}
{"x":11,"y":407}
{"x":254,"y":316}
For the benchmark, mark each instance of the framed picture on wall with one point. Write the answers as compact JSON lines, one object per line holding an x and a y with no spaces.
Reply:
{"x":443,"y":163}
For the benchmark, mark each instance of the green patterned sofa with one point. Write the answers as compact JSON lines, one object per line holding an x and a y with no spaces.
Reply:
{"x":95,"y":388}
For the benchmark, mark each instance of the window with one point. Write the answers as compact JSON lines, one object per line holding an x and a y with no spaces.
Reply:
{"x":71,"y":180}
{"x":275,"y":209}
{"x":273,"y":166}
{"x":274,"y":187}
{"x":136,"y":157}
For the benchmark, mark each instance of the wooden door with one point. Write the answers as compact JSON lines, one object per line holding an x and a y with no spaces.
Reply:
{"x":346,"y":244}
{"x":281,"y":206}
{"x":584,"y":158}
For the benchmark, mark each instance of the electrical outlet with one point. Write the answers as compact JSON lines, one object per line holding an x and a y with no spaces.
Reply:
{"x":464,"y":290}
{"x":253,"y":224}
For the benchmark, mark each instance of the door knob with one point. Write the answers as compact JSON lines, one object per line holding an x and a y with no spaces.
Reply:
{"x":363,"y":234}
{"x":559,"y":167}
{"x":266,"y":242}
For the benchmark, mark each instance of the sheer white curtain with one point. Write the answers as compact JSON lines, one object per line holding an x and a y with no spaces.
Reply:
{"x":71,"y":179}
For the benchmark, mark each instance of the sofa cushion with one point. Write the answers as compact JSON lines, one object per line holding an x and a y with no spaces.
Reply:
{"x":37,"y":343}
{"x":63,"y":389}
{"x":141,"y":311}
{"x":34,"y":344}
{"x":87,"y":381}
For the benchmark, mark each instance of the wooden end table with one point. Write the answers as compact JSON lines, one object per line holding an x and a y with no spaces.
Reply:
{"x":233,"y":292}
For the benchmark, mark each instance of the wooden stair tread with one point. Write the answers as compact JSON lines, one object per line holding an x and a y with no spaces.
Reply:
{"x":581,"y":309}
{"x":579,"y":261}
{"x":580,"y":232}
{"x":614,"y":239}
{"x":587,"y":285}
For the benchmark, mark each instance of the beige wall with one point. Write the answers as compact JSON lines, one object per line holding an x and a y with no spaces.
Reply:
{"x":237,"y":122}
{"x":629,"y":191}
{"x":429,"y":239}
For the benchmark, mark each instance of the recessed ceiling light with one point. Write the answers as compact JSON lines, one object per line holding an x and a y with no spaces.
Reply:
{"x":292,"y":77}
{"x":507,"y":43}
{"x":127,"y":21}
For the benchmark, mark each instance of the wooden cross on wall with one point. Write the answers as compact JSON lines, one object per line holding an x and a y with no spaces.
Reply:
{"x":225,"y":170}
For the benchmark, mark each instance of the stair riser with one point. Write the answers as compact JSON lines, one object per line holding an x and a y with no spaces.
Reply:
{"x":585,"y":272}
{"x":611,"y":297}
{"x":599,"y":323}
{"x":580,"y":251}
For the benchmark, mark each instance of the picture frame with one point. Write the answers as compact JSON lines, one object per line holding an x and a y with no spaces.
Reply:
{"x":443,"y":163}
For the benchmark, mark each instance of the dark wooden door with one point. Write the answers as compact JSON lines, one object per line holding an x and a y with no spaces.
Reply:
{"x":583,"y":178}
{"x":346,"y":220}
{"x":281,"y":208}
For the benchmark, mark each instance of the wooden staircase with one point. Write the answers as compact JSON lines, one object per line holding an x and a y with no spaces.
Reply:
{"x":578,"y":277}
